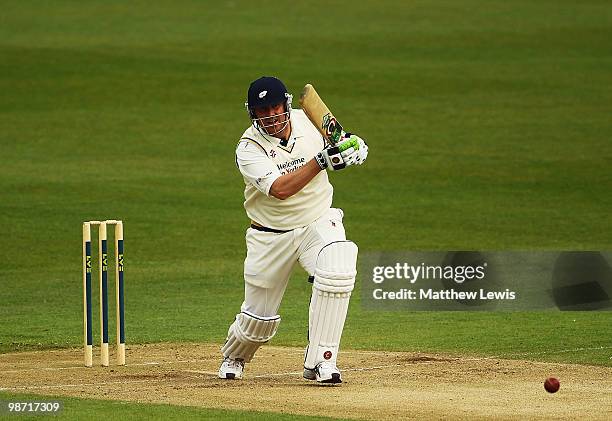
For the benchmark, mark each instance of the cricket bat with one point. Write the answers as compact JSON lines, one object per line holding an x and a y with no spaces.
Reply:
{"x":319,"y":115}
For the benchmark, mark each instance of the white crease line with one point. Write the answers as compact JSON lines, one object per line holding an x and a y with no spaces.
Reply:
{"x":210,"y":373}
{"x":74,"y":367}
{"x":379,"y":367}
{"x":23,"y":370}
{"x":60,"y":386}
{"x":293,"y":373}
{"x":526,"y":354}
{"x":79,"y":367}
{"x":429,"y":353}
{"x":562,"y":351}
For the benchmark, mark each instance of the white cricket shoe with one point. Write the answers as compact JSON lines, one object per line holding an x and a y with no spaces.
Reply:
{"x":231,"y":369}
{"x":326,"y":372}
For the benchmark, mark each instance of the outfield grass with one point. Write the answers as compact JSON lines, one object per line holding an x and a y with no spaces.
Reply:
{"x":488,"y":123}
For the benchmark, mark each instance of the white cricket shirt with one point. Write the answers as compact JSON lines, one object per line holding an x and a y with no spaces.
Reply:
{"x":262,"y":159}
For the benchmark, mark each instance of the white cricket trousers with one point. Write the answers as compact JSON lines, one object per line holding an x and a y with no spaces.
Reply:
{"x":271,"y":258}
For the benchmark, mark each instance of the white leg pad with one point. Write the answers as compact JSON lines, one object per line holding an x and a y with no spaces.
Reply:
{"x":247,"y":333}
{"x":334,"y":280}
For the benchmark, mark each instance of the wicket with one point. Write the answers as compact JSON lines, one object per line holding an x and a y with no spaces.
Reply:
{"x":87,"y":300}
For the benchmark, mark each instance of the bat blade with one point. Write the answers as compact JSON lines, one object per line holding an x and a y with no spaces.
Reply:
{"x":318,"y":113}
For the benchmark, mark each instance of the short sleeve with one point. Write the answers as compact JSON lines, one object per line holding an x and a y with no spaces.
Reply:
{"x":255,"y":166}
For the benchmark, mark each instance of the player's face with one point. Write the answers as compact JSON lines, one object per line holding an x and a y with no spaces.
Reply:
{"x":273,"y":119}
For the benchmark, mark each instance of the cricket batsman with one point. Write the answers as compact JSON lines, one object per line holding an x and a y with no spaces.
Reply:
{"x":288,"y":197}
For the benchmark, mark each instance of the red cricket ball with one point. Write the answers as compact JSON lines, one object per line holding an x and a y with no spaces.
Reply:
{"x":551,"y":385}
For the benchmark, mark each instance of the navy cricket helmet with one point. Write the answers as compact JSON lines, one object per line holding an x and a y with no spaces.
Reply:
{"x":266,"y":91}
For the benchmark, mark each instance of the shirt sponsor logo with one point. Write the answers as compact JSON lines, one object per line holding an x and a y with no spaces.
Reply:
{"x":290,"y":166}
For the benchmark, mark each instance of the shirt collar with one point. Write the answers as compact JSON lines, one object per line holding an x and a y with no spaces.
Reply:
{"x":296,"y":134}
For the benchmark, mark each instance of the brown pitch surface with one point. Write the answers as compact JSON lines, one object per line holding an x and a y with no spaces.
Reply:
{"x":377,"y":384}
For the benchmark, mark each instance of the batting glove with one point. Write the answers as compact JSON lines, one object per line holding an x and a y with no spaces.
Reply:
{"x":357,"y":153}
{"x":351,"y":150}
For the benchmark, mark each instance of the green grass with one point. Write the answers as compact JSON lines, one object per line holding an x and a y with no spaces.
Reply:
{"x":77,"y":409}
{"x":488,"y":124}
